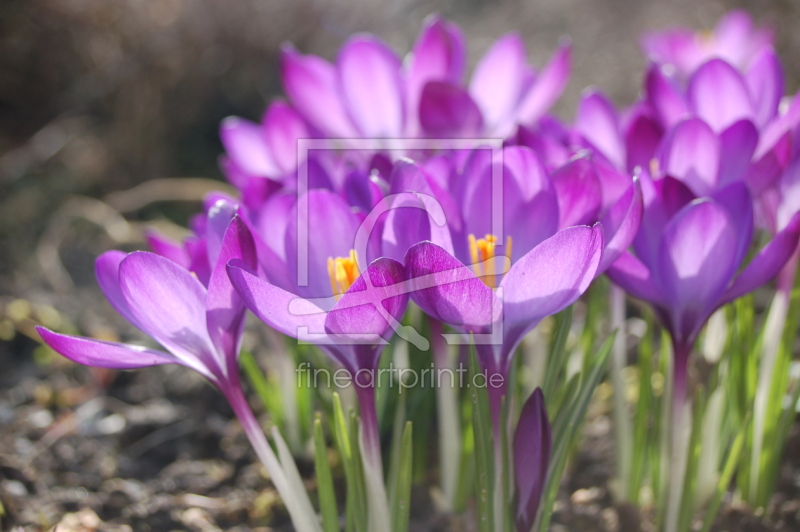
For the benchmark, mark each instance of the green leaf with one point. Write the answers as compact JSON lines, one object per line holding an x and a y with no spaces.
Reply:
{"x":484,"y":448}
{"x":557,"y":359}
{"x":401,"y":501}
{"x":726,"y":477}
{"x":270,"y":396}
{"x":327,"y":495}
{"x":565,"y":435}
{"x":356,"y":503}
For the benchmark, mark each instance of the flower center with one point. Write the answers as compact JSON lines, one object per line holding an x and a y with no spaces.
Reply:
{"x":481,"y":252}
{"x":343,"y":272}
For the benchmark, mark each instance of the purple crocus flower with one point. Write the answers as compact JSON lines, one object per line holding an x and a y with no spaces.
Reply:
{"x":688,"y":256}
{"x":199,"y":326}
{"x":533,"y":442}
{"x":734,"y":39}
{"x":544,"y":281}
{"x":370,"y":93}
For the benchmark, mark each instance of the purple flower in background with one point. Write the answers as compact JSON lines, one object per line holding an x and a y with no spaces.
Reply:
{"x":734,"y":39}
{"x":370,"y":93}
{"x":533,"y":442}
{"x":688,"y":256}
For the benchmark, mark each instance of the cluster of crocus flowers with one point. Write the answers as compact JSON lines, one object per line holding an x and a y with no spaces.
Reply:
{"x":329,"y":247}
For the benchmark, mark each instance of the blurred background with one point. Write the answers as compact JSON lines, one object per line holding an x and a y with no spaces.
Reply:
{"x":98,"y":97}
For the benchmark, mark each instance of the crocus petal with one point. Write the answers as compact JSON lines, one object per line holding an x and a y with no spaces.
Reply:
{"x":106,"y":269}
{"x":737,"y":40}
{"x":718,"y":94}
{"x":579,"y":193}
{"x":101,"y":354}
{"x":167,"y":247}
{"x":282,"y":129}
{"x":373,"y":305}
{"x":281,"y":310}
{"x":530,"y":202}
{"x":224,"y":309}
{"x":369,"y":78}
{"x":408,"y":223}
{"x":642,"y":138}
{"x":331,"y":228}
{"x":169,"y":303}
{"x":246,"y":145}
{"x":691,"y":153}
{"x":549,"y":279}
{"x":312,"y":86}
{"x":696,"y":263}
{"x":547,"y":88}
{"x":497,"y":81}
{"x":439,"y":54}
{"x":765,"y":80}
{"x":447,"y":111}
{"x":767,"y":263}
{"x":677,"y":47}
{"x":219,"y":217}
{"x":449,"y":291}
{"x":532,"y":446}
{"x":597,"y":122}
{"x":737,"y":200}
{"x":630,"y":274}
{"x":198,"y":254}
{"x":663,"y":199}
{"x":621,"y":224}
{"x":770,"y":166}
{"x":665,"y":97}
{"x":737,"y":145}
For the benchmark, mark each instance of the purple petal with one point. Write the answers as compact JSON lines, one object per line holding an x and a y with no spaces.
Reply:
{"x":736,"y":39}
{"x":718,"y":94}
{"x":737,"y":145}
{"x":170,"y":305}
{"x":198,"y":254}
{"x":663,"y":199}
{"x":373,"y":305}
{"x":621,"y":224}
{"x":497,"y":80}
{"x":246,"y":145}
{"x":532,"y":446}
{"x":579,"y":193}
{"x":167,"y":247}
{"x":767,"y":263}
{"x":449,"y":291}
{"x":765,"y":80}
{"x":282,"y":129}
{"x":547,"y":88}
{"x":331,"y":228}
{"x":225,"y":311}
{"x":665,"y":97}
{"x":101,"y":354}
{"x":409,"y":222}
{"x":447,"y":111}
{"x":369,"y":78}
{"x":311,"y":85}
{"x":530,"y":202}
{"x":549,"y":279}
{"x":630,"y":274}
{"x":697,"y":261}
{"x":439,"y":54}
{"x":106,"y":269}
{"x":768,"y":167}
{"x":219,"y":218}
{"x":642,"y":138}
{"x":597,"y":122}
{"x":691,"y":153}
{"x":675,"y":46}
{"x":739,"y":204}
{"x":281,"y":310}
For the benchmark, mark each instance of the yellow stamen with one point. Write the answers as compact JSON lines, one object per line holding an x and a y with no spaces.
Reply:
{"x":343,"y":272}
{"x":655,"y":167}
{"x":482,"y":252}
